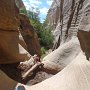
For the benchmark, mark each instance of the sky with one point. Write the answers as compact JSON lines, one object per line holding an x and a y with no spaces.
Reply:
{"x":42,"y":5}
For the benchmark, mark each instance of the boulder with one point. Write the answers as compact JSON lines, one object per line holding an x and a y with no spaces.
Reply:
{"x":6,"y":83}
{"x":76,"y":76}
{"x":61,"y":57}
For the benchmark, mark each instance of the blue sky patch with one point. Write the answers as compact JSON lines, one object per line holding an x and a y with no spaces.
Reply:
{"x":42,"y":5}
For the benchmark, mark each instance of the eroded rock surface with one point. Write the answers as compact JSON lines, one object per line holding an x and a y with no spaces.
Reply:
{"x":73,"y":15}
{"x":61,"y":57}
{"x":27,"y":31}
{"x":76,"y":76}
{"x":11,"y":50}
{"x":30,"y":36}
{"x":66,"y":17}
{"x":8,"y":21}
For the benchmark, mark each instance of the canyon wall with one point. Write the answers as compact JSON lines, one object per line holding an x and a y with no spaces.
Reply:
{"x":27,"y":31}
{"x":11,"y":22}
{"x":67,"y":17}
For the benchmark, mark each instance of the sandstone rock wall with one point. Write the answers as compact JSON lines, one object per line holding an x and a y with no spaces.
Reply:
{"x":11,"y":20}
{"x":30,"y":36}
{"x":67,"y":20}
{"x":8,"y":21}
{"x":74,"y":15}
{"x":66,"y":16}
{"x":53,"y":14}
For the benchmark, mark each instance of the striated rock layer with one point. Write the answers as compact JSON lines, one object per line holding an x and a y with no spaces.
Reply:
{"x":67,"y":17}
{"x":73,"y":15}
{"x":76,"y":76}
{"x":27,"y":31}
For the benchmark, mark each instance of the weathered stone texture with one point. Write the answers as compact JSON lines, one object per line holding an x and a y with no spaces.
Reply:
{"x":70,"y":17}
{"x":29,"y":36}
{"x":8,"y":20}
{"x":9,"y":34}
{"x":12,"y":46}
{"x":76,"y":76}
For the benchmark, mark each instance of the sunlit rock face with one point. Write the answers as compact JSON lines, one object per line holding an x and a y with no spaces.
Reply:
{"x":11,"y":20}
{"x":27,"y":31}
{"x":65,"y":15}
{"x":76,"y":76}
{"x":74,"y":16}
{"x":53,"y":14}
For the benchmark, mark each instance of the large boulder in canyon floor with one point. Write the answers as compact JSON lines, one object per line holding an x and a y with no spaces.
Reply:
{"x":76,"y":76}
{"x":61,"y":57}
{"x":70,"y":15}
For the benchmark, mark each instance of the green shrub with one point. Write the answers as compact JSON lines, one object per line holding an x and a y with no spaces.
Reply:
{"x":44,"y":33}
{"x":43,"y":50}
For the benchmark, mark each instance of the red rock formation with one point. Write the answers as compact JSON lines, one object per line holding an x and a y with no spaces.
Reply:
{"x":8,"y":21}
{"x":9,"y":39}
